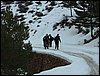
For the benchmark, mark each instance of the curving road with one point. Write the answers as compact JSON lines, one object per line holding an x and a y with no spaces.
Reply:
{"x":93,"y":66}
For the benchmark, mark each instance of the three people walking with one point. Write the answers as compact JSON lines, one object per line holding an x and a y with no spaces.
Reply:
{"x":47,"y":40}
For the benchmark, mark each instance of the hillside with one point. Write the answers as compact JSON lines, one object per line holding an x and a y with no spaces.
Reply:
{"x":41,"y":16}
{"x":45,"y":17}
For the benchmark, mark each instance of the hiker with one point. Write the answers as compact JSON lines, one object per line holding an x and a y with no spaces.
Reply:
{"x":57,"y":40}
{"x":46,"y":41}
{"x":51,"y":39}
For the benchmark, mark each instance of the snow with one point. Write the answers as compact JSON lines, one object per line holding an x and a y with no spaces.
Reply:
{"x":71,"y":48}
{"x":65,"y":70}
{"x":70,"y":43}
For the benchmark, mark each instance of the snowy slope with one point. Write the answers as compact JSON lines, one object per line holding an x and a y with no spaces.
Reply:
{"x":71,"y":47}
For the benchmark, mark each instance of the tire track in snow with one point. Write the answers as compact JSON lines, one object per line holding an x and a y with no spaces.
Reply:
{"x":93,"y":66}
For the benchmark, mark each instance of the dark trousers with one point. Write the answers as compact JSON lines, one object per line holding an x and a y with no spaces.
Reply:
{"x":57,"y":45}
{"x":46,"y":45}
{"x":50,"y":44}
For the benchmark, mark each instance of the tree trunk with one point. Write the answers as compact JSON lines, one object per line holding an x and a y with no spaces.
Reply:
{"x":71,"y":11}
{"x":92,"y":14}
{"x":84,"y":17}
{"x":91,"y":28}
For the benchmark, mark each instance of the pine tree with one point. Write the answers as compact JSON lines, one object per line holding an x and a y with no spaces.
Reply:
{"x":14,"y":52}
{"x":70,"y":4}
{"x":87,"y":11}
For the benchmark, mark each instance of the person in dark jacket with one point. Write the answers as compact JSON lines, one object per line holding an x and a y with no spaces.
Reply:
{"x":57,"y":40}
{"x":51,"y":39}
{"x":46,"y":41}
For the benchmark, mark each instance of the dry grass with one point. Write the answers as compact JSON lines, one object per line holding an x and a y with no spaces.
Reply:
{"x":40,"y":62}
{"x":37,"y":62}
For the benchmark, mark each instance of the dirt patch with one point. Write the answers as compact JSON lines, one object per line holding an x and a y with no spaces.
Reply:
{"x":35,"y":63}
{"x":40,"y":62}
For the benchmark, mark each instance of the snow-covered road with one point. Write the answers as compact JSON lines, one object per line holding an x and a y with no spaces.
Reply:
{"x":93,"y":67}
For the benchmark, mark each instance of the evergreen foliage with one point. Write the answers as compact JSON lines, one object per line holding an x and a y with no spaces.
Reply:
{"x":87,"y":15}
{"x":14,"y":52}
